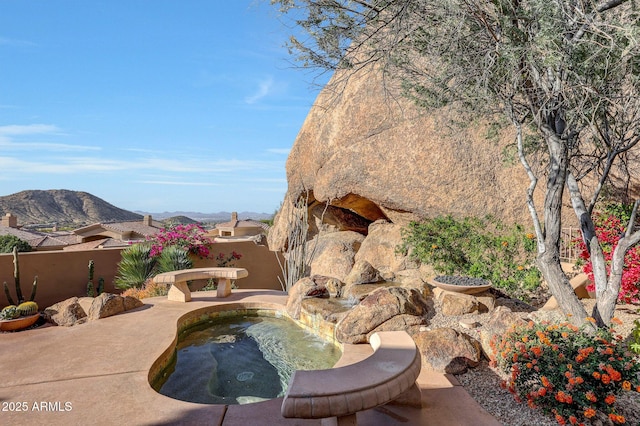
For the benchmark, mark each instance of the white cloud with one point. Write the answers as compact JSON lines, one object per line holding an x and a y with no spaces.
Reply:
{"x":29,"y":129}
{"x":284,"y":151}
{"x":264,"y":88}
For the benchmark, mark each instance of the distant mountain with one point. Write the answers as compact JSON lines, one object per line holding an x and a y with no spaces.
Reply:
{"x":63,"y":207}
{"x":208,"y":217}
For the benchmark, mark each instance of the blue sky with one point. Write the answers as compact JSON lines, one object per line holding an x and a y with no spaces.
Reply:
{"x":152,"y":105}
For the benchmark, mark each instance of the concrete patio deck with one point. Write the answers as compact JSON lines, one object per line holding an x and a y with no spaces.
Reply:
{"x":97,"y":373}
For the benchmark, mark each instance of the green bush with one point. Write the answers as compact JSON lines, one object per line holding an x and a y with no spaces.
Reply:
{"x":482,"y":248}
{"x":173,"y":258}
{"x":8,"y":242}
{"x":136,"y":266}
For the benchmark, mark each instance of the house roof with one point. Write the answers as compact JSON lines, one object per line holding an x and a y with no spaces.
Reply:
{"x":136,"y":227}
{"x":40,"y":239}
{"x":247,"y":223}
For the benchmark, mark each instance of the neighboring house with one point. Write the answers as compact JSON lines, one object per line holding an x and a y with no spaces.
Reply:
{"x":239,"y":228}
{"x":37,"y":240}
{"x":114,"y":234}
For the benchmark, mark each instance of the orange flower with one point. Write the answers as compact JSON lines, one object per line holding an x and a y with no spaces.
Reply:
{"x":545,"y":382}
{"x":573,"y":420}
{"x":579,"y":380}
{"x":542,"y":391}
{"x":616,"y":320}
{"x":525,"y":339}
{"x":626,"y":385}
{"x":591,"y":319}
{"x":530,"y":236}
{"x":560,"y":419}
{"x":505,"y":243}
{"x":589,"y":413}
{"x":537,"y":351}
{"x":596,"y":375}
{"x":616,"y":418}
{"x":591,"y":396}
{"x":606,"y":379}
{"x":610,"y":399}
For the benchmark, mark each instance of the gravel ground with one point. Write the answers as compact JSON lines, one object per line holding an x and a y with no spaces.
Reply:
{"x":483,"y":382}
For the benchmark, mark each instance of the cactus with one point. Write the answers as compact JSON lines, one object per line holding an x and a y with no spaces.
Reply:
{"x":28,"y":308}
{"x":90,"y":291}
{"x":100,"y":286}
{"x":16,"y":277}
{"x":10,"y":312}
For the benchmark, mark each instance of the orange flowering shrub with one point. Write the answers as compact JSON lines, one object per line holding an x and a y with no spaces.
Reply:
{"x":566,"y":371}
{"x":149,"y":289}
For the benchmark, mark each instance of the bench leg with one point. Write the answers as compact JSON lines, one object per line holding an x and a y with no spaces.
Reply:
{"x":179,"y":292}
{"x":224,"y":287}
{"x":349,"y":420}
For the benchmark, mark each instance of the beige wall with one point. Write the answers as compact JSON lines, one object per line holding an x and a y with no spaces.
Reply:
{"x":64,"y":274}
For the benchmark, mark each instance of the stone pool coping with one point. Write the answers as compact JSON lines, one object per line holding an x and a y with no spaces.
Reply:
{"x":102,"y":367}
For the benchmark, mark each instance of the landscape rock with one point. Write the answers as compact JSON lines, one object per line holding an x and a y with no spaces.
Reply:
{"x":302,"y":289}
{"x":362,"y":273}
{"x":379,"y":307}
{"x":334,"y":253}
{"x":458,"y":304}
{"x":498,"y":323}
{"x":131,"y":302}
{"x":66,"y":313}
{"x":446,"y":350}
{"x":379,"y":248}
{"x":106,"y":305}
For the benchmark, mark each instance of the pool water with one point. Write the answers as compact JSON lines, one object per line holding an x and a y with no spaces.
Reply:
{"x":242,"y":359}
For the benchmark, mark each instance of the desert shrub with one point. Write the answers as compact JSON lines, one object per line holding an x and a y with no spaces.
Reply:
{"x":482,"y":248}
{"x":173,"y":258}
{"x":149,"y":289}
{"x":610,"y":224}
{"x":135,"y":267}
{"x":566,"y":371}
{"x":138,"y":265}
{"x":8,"y":242}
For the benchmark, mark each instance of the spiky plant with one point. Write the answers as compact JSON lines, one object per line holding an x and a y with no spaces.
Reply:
{"x":136,"y":266}
{"x":173,"y":258}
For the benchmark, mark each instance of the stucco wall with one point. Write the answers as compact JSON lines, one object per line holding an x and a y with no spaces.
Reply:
{"x":64,"y":274}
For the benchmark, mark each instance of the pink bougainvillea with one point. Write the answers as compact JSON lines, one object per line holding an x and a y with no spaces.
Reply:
{"x":190,"y":237}
{"x":609,"y":230}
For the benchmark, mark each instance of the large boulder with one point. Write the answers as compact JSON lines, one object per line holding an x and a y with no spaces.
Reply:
{"x":362,"y":273}
{"x":385,"y":309}
{"x":66,"y":313}
{"x":106,"y":305}
{"x":446,"y":350}
{"x":334,"y":253}
{"x":380,"y":249}
{"x":377,"y":155}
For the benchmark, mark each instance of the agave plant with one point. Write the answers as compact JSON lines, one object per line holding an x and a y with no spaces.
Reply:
{"x":173,"y":258}
{"x":136,"y":266}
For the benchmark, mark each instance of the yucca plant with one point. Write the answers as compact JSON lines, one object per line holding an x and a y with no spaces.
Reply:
{"x":136,"y":266}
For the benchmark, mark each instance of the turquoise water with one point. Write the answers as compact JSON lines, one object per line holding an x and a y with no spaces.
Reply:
{"x":242,"y":359}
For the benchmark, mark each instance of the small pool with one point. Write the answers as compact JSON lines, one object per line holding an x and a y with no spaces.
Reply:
{"x":240,"y":359}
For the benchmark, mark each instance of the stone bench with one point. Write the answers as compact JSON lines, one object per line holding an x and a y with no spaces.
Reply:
{"x":341,"y":392}
{"x":179,"y":290}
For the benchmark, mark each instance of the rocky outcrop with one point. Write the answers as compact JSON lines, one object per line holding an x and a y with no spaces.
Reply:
{"x":334,"y":253}
{"x":385,"y":309}
{"x":362,"y":273}
{"x":302,"y":289}
{"x":375,"y":155}
{"x":380,"y":249}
